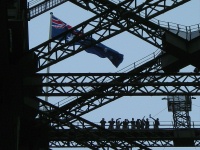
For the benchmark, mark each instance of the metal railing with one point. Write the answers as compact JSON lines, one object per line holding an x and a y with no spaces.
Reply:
{"x":37,"y":7}
{"x":168,"y":125}
{"x":124,"y":70}
{"x":34,"y":2}
{"x":186,"y":32}
{"x":163,"y":125}
{"x":140,"y":62}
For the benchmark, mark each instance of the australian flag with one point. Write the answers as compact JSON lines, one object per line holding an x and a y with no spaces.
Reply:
{"x":100,"y":50}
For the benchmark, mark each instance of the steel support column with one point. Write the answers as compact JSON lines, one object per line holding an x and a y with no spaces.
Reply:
{"x":9,"y":113}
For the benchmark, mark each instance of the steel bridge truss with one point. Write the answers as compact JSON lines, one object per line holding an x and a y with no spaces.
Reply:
{"x":75,"y":84}
{"x":103,"y":26}
{"x":91,"y":91}
{"x":36,"y":9}
{"x":148,"y":74}
{"x":67,"y":134}
{"x":62,"y":122}
{"x":180,"y":107}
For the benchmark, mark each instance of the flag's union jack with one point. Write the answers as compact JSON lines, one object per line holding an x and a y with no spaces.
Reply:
{"x":58,"y":27}
{"x":57,"y":23}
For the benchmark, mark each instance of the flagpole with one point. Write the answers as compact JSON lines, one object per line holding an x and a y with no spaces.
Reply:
{"x":49,"y":49}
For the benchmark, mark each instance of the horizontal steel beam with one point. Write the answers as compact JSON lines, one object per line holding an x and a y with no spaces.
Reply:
{"x":152,"y":138}
{"x":118,"y":84}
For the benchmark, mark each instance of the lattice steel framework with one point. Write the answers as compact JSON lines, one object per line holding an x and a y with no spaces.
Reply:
{"x":132,"y":18}
{"x":180,"y":107}
{"x":90,"y":91}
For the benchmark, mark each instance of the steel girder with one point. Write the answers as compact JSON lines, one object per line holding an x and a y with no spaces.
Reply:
{"x":63,"y":122}
{"x":93,"y":102}
{"x":85,"y":104}
{"x":96,"y":7}
{"x":133,"y":84}
{"x":153,"y":138}
{"x":142,"y":36}
{"x":103,"y":26}
{"x":57,"y":124}
{"x":145,"y":10}
{"x":66,"y":133}
{"x":181,"y":119}
{"x":180,"y":107}
{"x":154,"y":42}
{"x":149,"y":31}
{"x":99,"y":27}
{"x":81,"y":105}
{"x":179,"y":82}
{"x":42,"y":7}
{"x":99,"y":6}
{"x":138,"y":7}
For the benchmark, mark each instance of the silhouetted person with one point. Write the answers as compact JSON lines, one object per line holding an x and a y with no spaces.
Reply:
{"x":142,"y":124}
{"x":118,"y":123}
{"x":156,"y":122}
{"x":132,"y":123}
{"x":138,"y":124}
{"x":111,"y":124}
{"x":103,"y":122}
{"x":147,"y":123}
{"x":125,"y":124}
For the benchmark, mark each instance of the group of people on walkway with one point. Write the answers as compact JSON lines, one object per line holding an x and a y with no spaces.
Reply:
{"x":132,"y":124}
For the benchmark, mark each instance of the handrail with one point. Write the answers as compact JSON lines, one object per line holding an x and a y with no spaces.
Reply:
{"x":167,"y":25}
{"x":37,"y":7}
{"x":124,"y":70}
{"x":163,"y":125}
{"x":187,"y":32}
{"x":140,"y":61}
{"x":32,"y":3}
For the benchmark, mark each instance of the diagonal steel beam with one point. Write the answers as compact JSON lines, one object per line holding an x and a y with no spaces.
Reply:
{"x":63,"y":123}
{"x":41,"y":6}
{"x":83,"y":128}
{"x":152,"y":8}
{"x":102,"y":28}
{"x":93,"y":102}
{"x":99,"y":27}
{"x":149,"y":31}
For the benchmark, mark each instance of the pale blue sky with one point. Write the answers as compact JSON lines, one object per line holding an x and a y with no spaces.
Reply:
{"x":133,"y":49}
